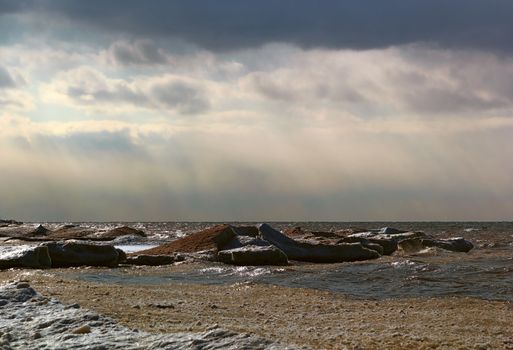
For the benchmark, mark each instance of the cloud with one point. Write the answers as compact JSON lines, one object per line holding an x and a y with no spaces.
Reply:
{"x":6,"y":81}
{"x":139,"y":52}
{"x":354,"y":24}
{"x":91,"y":89}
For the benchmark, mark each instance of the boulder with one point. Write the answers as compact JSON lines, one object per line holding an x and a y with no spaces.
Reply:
{"x":150,"y":260}
{"x":70,"y":254}
{"x":121,"y":256}
{"x":242,"y":241}
{"x":24,"y":231}
{"x":36,"y":257}
{"x":71,"y":232}
{"x":457,"y":244}
{"x":322,"y":253}
{"x":252,"y":255}
{"x":411,"y":245}
{"x":119,"y":232}
{"x":390,"y":231}
{"x":213,"y":238}
{"x":363,"y":241}
{"x":296,"y":232}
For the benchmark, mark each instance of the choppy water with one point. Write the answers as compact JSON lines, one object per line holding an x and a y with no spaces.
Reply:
{"x":486,"y":272}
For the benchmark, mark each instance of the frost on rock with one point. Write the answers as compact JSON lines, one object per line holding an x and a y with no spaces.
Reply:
{"x":29,"y":320}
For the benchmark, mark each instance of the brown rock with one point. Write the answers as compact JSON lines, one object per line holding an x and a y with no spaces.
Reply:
{"x":210,"y":239}
{"x":82,"y":330}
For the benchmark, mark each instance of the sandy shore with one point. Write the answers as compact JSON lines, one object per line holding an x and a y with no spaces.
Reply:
{"x":303,"y":317}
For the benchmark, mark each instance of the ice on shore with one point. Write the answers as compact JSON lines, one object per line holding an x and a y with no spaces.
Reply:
{"x":31,"y":321}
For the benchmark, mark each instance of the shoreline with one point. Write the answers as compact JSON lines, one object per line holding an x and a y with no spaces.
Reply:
{"x":292,"y":316}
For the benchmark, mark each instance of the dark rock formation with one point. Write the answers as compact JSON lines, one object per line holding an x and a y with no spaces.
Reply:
{"x":24,"y":257}
{"x":253,"y":255}
{"x":80,"y":254}
{"x":322,"y":253}
{"x":458,"y":244}
{"x":120,"y":231}
{"x":150,"y":260}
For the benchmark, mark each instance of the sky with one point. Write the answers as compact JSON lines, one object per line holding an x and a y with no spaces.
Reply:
{"x":270,"y":110}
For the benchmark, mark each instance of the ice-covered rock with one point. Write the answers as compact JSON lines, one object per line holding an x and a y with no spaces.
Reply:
{"x":31,"y":321}
{"x":25,"y":256}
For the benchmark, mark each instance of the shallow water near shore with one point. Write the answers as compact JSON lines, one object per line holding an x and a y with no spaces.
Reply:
{"x":488,"y":278}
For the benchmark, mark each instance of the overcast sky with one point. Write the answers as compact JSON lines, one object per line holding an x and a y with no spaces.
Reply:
{"x":256,"y":110}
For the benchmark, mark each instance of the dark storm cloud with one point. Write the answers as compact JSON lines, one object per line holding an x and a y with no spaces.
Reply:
{"x":358,"y":24}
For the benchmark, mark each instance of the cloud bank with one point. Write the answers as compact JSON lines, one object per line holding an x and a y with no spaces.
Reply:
{"x":235,"y":110}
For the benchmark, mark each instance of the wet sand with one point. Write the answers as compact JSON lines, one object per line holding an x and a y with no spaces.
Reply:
{"x":302,"y":317}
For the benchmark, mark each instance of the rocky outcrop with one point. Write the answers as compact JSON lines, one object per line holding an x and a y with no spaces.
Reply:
{"x":70,"y":254}
{"x":45,"y":323}
{"x":253,"y":255}
{"x":321,"y":253}
{"x":214,"y":238}
{"x":458,"y":244}
{"x":24,"y":257}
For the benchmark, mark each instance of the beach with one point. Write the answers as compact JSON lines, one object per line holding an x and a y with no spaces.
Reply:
{"x":430,"y":298}
{"x":293,"y":316}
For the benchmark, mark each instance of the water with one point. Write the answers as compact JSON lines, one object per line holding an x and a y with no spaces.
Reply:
{"x":486,"y":272}
{"x":490,"y":279}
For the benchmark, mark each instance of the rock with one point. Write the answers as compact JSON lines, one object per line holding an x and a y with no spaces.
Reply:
{"x":82,"y":330}
{"x":70,"y":254}
{"x":411,"y":245}
{"x":22,"y":285}
{"x":24,"y":231}
{"x":36,"y":257}
{"x":242,"y":241}
{"x":363,"y":241}
{"x":457,"y":244}
{"x":10,"y":222}
{"x":69,"y":328}
{"x":322,"y":253}
{"x":253,"y":255}
{"x":299,"y":232}
{"x":388,"y":246}
{"x":41,"y":231}
{"x":71,"y":232}
{"x":250,"y":231}
{"x":119,"y":232}
{"x":122,"y":258}
{"x":150,"y":260}
{"x":390,"y":231}
{"x":210,"y":239}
